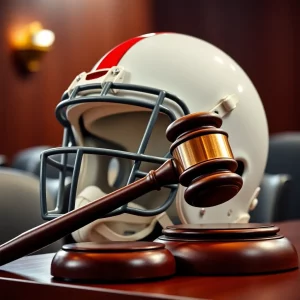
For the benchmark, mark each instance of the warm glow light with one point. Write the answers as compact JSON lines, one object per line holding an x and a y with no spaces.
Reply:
{"x":30,"y":43}
{"x":32,"y":36}
{"x":43,"y":38}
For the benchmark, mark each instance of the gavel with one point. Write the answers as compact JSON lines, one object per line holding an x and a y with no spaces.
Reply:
{"x":202,"y":162}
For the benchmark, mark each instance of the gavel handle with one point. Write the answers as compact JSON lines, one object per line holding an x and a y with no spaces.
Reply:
{"x":47,"y":233}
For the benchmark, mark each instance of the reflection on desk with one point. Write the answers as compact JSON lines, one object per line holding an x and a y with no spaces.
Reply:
{"x":36,"y":269}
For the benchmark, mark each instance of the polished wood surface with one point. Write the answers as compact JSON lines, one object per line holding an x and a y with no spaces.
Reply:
{"x":191,"y":122}
{"x":98,"y":262}
{"x":229,"y":249}
{"x":36,"y":269}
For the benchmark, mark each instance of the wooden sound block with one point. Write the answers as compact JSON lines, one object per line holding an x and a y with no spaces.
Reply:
{"x":112,"y":262}
{"x":229,"y":249}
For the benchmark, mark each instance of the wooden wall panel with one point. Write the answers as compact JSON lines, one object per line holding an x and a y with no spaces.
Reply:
{"x":262,"y":36}
{"x":84,"y":30}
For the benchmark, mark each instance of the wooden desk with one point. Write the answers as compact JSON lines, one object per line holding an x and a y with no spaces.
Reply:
{"x":30,"y":277}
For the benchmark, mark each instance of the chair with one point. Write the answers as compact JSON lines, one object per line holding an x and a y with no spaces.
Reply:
{"x":3,"y":160}
{"x":284,"y":158}
{"x":20,"y":206}
{"x":271,"y":200}
{"x":29,"y":159}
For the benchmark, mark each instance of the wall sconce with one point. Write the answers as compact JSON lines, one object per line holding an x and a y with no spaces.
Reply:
{"x":30,"y":43}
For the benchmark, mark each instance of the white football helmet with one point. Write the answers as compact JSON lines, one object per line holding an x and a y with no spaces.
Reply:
{"x":158,"y":77}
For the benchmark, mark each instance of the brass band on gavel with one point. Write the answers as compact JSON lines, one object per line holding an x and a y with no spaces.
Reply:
{"x":200,"y":149}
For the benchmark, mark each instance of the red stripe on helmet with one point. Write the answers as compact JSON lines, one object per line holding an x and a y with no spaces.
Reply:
{"x":113,"y":57}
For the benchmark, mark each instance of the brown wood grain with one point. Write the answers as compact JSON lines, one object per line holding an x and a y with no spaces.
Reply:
{"x":85,"y":31}
{"x":229,"y":249}
{"x":276,"y":286}
{"x":113,"y":262}
{"x":262,"y":36}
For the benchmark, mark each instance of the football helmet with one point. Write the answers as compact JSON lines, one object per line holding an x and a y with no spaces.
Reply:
{"x":114,"y":120}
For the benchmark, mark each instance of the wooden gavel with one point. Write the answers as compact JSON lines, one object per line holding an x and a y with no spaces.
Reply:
{"x":202,"y":161}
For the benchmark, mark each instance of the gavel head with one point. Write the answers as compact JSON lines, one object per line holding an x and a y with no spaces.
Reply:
{"x":204,"y":159}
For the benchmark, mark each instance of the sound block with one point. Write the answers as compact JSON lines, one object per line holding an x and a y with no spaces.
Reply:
{"x":112,"y":262}
{"x":229,"y":249}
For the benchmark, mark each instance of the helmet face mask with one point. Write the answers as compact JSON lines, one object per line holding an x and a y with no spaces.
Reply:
{"x":110,"y":151}
{"x":114,"y":121}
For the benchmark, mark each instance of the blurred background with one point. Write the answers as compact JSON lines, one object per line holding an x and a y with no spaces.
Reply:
{"x":262,"y":36}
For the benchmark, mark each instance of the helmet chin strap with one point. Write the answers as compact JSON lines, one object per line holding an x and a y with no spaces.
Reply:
{"x":115,"y":228}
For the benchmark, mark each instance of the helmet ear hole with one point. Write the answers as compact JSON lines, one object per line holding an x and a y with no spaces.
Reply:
{"x":117,"y":172}
{"x":113,"y":172}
